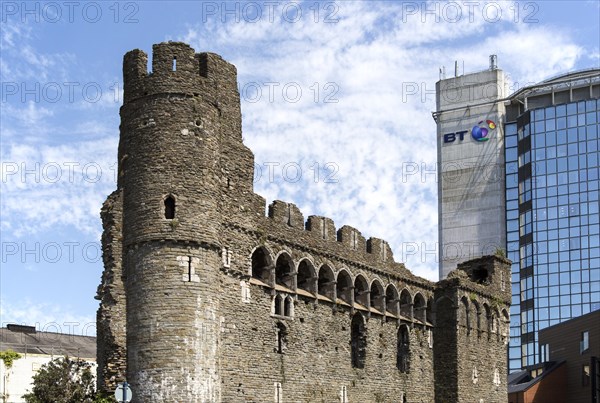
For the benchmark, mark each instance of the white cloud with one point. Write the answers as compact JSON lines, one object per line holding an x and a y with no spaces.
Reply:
{"x":377,"y":128}
{"x":46,"y":316}
{"x":555,"y":52}
{"x":31,"y":115}
{"x":379,"y":61}
{"x":22,"y":62}
{"x":69,"y":181}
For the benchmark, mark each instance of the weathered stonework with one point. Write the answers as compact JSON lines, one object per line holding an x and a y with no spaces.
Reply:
{"x":110,"y":329}
{"x":223,"y":304}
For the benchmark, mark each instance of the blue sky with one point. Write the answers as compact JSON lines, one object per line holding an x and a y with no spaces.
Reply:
{"x":336,"y":100}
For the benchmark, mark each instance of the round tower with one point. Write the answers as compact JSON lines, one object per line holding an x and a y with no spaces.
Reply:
{"x":174,"y":124}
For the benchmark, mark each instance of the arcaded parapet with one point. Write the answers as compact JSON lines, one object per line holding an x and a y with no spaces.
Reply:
{"x":227,"y":303}
{"x":111,"y":330}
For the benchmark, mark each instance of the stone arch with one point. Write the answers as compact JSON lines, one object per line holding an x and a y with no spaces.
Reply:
{"x":169,"y":202}
{"x":282,"y":305}
{"x":496,"y":321}
{"x":464,"y":317}
{"x":277,"y":305}
{"x":288,"y":306}
{"x":377,"y":297}
{"x":429,"y":312}
{"x":419,"y":308}
{"x":361,"y":291}
{"x":306,"y":278}
{"x":391,"y":300}
{"x":326,"y":282}
{"x":262,"y":265}
{"x":476,"y":316}
{"x":505,"y":325}
{"x":358,"y":341}
{"x":284,"y":271}
{"x":344,"y":287}
{"x":403,"y":349}
{"x":487,"y":316}
{"x":406,"y":306}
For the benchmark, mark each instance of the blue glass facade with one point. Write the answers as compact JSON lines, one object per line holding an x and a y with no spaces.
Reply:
{"x":552,"y":220}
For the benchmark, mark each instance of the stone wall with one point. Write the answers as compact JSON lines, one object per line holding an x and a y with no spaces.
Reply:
{"x":110,"y":328}
{"x":316,"y":364}
{"x":471,"y":332}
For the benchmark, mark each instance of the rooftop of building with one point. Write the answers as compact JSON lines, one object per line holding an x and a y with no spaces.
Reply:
{"x":523,"y":380}
{"x":564,"y":81}
{"x":590,"y":317}
{"x":27,"y":340}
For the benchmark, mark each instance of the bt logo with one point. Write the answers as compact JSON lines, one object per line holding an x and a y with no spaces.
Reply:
{"x":479,"y":132}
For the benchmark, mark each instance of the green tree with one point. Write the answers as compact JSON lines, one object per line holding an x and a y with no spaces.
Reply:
{"x":62,"y":381}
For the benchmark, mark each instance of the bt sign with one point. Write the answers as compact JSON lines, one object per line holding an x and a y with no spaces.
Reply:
{"x":479,"y":132}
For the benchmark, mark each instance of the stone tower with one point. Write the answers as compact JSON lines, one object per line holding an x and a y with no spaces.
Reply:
{"x":175,"y":123}
{"x":471,"y":333}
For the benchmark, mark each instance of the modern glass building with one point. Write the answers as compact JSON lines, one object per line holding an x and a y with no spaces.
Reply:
{"x":551,"y":140}
{"x":544,"y":140}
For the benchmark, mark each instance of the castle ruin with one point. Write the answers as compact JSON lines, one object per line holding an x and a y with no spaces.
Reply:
{"x":205,"y":299}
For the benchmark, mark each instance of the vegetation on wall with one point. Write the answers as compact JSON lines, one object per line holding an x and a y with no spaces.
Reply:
{"x":9,"y":357}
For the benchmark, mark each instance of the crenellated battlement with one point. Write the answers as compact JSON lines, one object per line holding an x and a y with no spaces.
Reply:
{"x":177,"y":69}
{"x":286,"y":213}
{"x":321,"y":227}
{"x":352,"y":238}
{"x":288,"y":216}
{"x":381,"y":248}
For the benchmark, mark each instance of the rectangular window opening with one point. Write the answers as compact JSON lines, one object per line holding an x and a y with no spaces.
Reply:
{"x":584,"y":344}
{"x":585,"y":375}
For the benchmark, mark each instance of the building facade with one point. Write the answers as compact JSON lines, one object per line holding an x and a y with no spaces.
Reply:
{"x":571,"y":369}
{"x":546,"y":143}
{"x":576,"y":342}
{"x":544,"y":383}
{"x":471,"y":185}
{"x":205,"y":299}
{"x":35,"y":349}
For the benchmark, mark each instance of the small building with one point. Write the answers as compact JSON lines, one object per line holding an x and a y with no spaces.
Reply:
{"x":545,"y":383}
{"x":36,"y":349}
{"x":571,"y":371}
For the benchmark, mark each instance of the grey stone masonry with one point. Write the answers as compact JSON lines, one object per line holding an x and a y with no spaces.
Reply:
{"x":110,"y":329}
{"x":204,"y":298}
